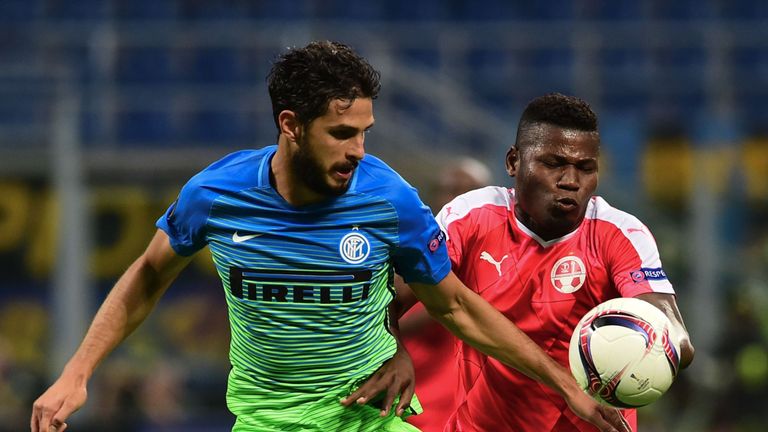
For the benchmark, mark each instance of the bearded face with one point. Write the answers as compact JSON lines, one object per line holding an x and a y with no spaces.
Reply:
{"x":317,"y":172}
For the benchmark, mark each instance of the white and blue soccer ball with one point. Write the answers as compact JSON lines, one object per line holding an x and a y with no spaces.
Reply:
{"x":622,"y":354}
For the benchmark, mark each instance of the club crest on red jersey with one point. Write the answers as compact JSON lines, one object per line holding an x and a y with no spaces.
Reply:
{"x":568,"y":274}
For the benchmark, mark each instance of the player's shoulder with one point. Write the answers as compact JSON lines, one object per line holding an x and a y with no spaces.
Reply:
{"x":376,"y":177}
{"x":600,"y":210}
{"x":492,"y":199}
{"x":374,"y":171}
{"x":234,"y":171}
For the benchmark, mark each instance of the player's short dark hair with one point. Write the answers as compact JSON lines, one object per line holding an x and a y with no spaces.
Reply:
{"x":567,"y":112}
{"x":305,"y":80}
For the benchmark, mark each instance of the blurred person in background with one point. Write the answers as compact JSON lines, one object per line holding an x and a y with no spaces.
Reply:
{"x":518,"y":248}
{"x":305,"y":235}
{"x":430,"y":345}
{"x":460,"y":175}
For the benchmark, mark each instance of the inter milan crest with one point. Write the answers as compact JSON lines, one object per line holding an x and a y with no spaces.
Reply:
{"x":568,"y":274}
{"x":354,"y":247}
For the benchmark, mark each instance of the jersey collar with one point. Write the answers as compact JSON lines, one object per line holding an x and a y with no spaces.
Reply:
{"x":541,"y":241}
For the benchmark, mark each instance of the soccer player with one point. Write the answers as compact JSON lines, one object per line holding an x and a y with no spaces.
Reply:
{"x":544,"y":253}
{"x":305,"y":235}
{"x":430,"y":345}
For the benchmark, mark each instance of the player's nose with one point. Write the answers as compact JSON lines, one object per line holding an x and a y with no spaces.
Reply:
{"x":356,"y":148}
{"x":569,"y":178}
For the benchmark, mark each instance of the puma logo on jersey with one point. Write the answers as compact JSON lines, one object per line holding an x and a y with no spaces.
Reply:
{"x":237,"y":238}
{"x":487,"y":257}
{"x":449,"y":211}
{"x":631,"y":230}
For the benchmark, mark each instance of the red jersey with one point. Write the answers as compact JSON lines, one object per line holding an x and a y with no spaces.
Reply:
{"x":544,"y":287}
{"x":432,"y":351}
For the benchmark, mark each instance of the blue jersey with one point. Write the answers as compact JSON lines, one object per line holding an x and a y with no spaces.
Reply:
{"x":307,"y":288}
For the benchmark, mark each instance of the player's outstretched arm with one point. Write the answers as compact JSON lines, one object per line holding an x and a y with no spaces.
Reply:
{"x":479,"y":324}
{"x":127,"y":305}
{"x":667,"y":304}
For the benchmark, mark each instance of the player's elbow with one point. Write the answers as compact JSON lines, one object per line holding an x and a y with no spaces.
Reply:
{"x":684,"y":345}
{"x":687,"y":352}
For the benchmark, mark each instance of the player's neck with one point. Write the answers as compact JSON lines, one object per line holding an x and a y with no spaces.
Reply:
{"x":546,"y":232}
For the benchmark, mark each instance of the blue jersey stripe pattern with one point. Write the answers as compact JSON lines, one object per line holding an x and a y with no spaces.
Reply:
{"x":307,"y":288}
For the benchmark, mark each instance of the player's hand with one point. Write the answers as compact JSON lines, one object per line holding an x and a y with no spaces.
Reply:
{"x":51,"y":410}
{"x":395,"y":377}
{"x":605,"y":418}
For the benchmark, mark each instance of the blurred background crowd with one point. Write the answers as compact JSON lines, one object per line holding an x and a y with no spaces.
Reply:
{"x":108,"y":106}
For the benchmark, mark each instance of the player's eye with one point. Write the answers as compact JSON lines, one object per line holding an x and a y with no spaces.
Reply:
{"x":550,"y":163}
{"x":343,"y":134}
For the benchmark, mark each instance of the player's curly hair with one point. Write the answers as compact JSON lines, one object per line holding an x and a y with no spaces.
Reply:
{"x":305,"y":80}
{"x":557,"y":109}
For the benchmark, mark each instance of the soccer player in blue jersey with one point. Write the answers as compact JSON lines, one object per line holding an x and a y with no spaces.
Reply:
{"x":306,"y":236}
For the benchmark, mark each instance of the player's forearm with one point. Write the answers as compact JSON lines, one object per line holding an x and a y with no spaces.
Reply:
{"x":667,"y":304}
{"x":478,"y":323}
{"x":127,"y":305}
{"x":486,"y":329}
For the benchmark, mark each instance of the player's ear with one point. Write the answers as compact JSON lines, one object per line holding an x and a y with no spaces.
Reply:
{"x":290,"y":126}
{"x":513,"y":161}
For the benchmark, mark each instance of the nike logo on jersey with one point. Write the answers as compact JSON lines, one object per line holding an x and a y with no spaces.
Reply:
{"x":487,"y":257}
{"x":237,"y":238}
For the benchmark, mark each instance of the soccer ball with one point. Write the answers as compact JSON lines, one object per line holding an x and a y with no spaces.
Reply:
{"x":621,"y":353}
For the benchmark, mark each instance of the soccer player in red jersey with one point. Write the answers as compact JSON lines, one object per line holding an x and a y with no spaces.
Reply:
{"x":545,"y":253}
